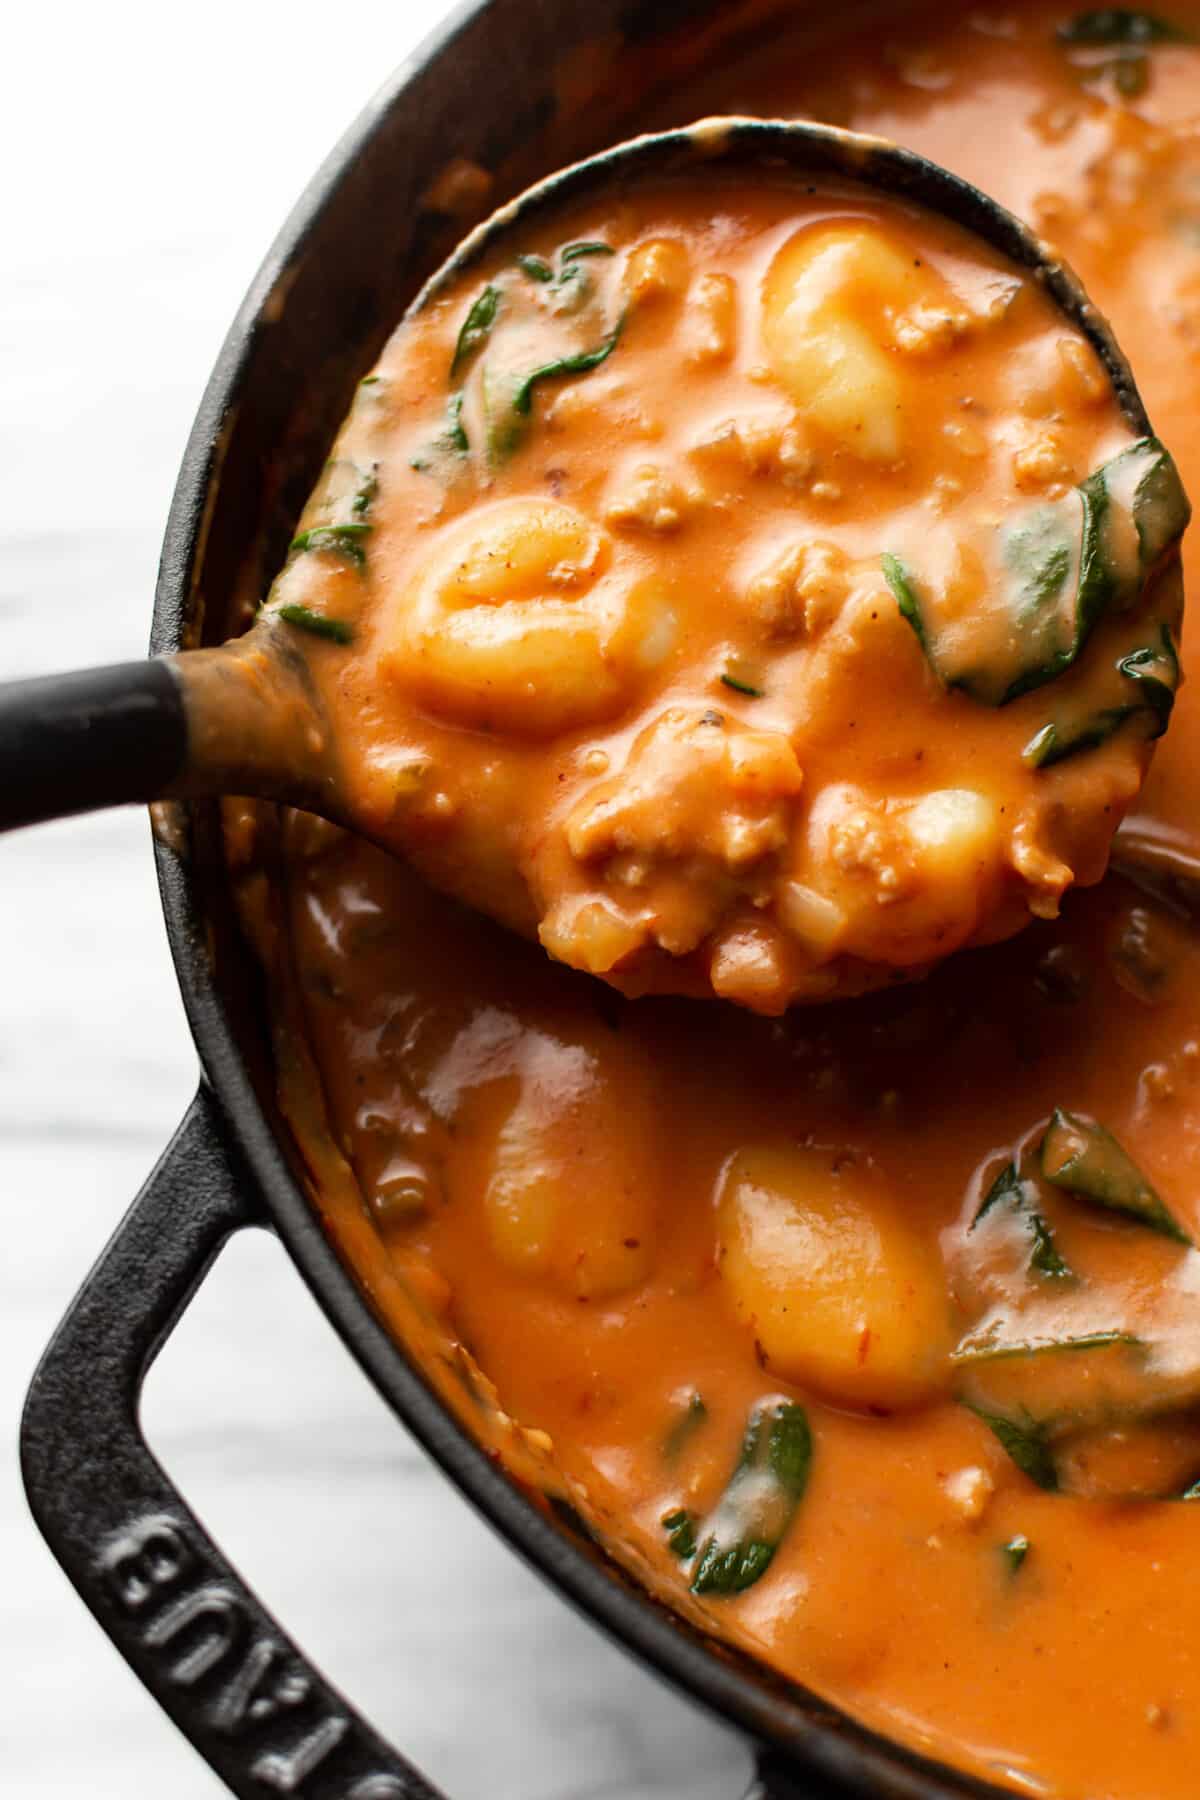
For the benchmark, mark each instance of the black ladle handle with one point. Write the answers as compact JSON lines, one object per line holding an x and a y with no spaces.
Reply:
{"x":242,"y":718}
{"x":101,"y":737}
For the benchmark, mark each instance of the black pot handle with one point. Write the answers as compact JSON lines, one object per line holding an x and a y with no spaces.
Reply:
{"x":252,"y":1704}
{"x":101,"y":737}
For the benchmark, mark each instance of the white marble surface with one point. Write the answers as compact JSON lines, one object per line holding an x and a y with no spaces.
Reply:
{"x":149,"y":152}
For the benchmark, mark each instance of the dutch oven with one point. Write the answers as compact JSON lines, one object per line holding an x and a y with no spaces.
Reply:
{"x":515,"y":88}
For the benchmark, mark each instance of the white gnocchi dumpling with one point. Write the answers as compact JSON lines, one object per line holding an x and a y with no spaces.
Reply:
{"x":565,"y":1152}
{"x":826,"y":299}
{"x":515,"y":623}
{"x":910,"y":879}
{"x":842,"y":1293}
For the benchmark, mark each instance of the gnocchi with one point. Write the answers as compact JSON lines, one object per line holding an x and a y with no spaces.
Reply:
{"x":719,"y":615}
{"x":566,"y":1160}
{"x":821,"y":346}
{"x":904,"y":879}
{"x":511,"y":624}
{"x":841,"y":1294}
{"x":1013,"y":1602}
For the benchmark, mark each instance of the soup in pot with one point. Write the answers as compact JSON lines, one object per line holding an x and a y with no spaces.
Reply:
{"x":867,"y":1333}
{"x":752,"y":588}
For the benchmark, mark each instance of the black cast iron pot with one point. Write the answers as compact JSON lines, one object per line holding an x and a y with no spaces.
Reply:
{"x":514,"y":87}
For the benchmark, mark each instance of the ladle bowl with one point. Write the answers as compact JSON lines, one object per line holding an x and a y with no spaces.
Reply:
{"x":245,"y":718}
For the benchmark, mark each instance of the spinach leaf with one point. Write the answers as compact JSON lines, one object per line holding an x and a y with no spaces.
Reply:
{"x":579,"y":364}
{"x":1053,"y":745}
{"x":1083,"y":1158}
{"x":1015,"y":1552}
{"x":344,"y":495}
{"x":1154,"y":670}
{"x":1141,"y":483}
{"x":452,"y":442}
{"x":1119,"y":25}
{"x":366,"y":493}
{"x":1010,"y":1190}
{"x":319,"y":624}
{"x":900,"y":580}
{"x":343,"y":540}
{"x":741,"y":1537}
{"x":508,"y":397}
{"x":507,"y":394}
{"x":993,"y":1349}
{"x":1025,"y":1445}
{"x":1044,"y":1257}
{"x":1041,"y":1392}
{"x":1160,"y":506}
{"x":569,"y":287}
{"x":455,"y":438}
{"x":680,"y":1527}
{"x":1038,"y":553}
{"x":539,"y":270}
{"x":504,"y":427}
{"x":1065,"y":566}
{"x":741,"y":687}
{"x":475,"y":327}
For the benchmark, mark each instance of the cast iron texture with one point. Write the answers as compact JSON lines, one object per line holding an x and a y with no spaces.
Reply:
{"x":182,"y":1617}
{"x":350,"y":258}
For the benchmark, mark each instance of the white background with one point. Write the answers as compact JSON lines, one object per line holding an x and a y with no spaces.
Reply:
{"x":148,"y":154}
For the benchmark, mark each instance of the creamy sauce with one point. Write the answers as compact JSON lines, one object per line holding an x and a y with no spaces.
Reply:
{"x":745,"y":582}
{"x":644,"y":1219}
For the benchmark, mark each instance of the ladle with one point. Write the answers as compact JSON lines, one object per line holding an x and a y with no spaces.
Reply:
{"x":245,"y":718}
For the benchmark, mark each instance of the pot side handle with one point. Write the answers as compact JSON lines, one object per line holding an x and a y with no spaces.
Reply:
{"x":238,"y":1688}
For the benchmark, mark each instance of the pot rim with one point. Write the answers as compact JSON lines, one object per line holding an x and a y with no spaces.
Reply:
{"x":815,"y":1734}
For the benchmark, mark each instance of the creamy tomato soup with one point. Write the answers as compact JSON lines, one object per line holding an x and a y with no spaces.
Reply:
{"x":752,"y":586}
{"x":868,"y":1334}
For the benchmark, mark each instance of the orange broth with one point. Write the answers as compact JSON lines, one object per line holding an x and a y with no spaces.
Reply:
{"x":569,"y":1178}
